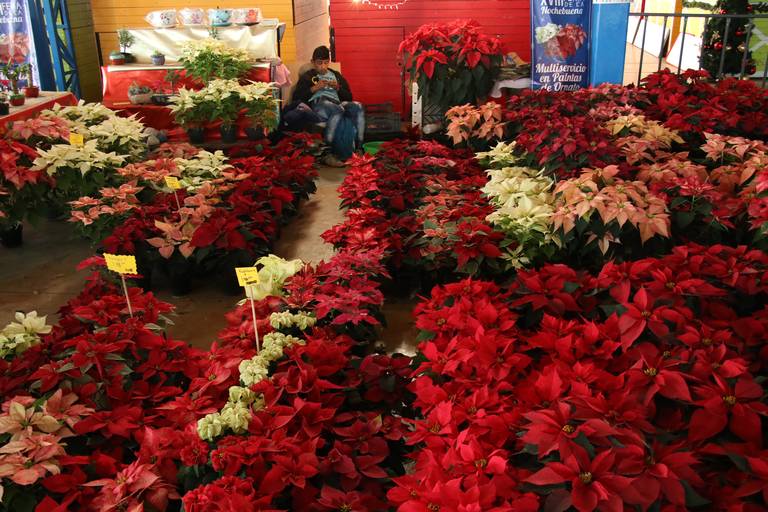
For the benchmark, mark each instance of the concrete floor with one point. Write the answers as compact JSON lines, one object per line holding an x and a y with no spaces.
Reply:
{"x":41,"y":274}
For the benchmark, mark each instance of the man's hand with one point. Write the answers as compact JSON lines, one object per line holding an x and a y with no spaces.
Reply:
{"x":319,"y":85}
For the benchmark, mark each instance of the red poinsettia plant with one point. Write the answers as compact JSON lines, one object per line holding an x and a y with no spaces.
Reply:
{"x":454,"y":63}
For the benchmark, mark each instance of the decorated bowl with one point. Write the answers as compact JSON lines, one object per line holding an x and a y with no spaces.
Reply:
{"x":162,"y":19}
{"x":249,"y":16}
{"x":220,"y":17}
{"x":192,"y":17}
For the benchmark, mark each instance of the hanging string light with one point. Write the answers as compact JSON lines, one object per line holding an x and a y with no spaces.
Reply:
{"x":382,"y":5}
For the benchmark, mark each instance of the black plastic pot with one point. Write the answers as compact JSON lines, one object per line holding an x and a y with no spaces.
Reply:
{"x":254,"y":133}
{"x":12,"y":237}
{"x":196,"y":135}
{"x":5,"y":108}
{"x":228,"y":133}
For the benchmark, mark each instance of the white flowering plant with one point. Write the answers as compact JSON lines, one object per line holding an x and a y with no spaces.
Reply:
{"x":210,"y":58}
{"x":78,"y":170}
{"x":21,"y":335}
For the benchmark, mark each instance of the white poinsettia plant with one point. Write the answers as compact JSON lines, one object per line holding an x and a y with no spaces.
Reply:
{"x":524,"y":204}
{"x":19,"y":336}
{"x":83,"y":113}
{"x":207,"y":59}
{"x":83,"y":159}
{"x":224,"y":100}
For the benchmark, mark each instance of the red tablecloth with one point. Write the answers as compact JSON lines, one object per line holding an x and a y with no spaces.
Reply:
{"x":34,"y":106}
{"x":117,"y":79}
{"x":160,"y":118}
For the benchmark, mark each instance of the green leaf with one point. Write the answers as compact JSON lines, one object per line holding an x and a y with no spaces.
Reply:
{"x":683,"y":219}
{"x":425,"y":336}
{"x":582,"y":441}
{"x":692,"y":498}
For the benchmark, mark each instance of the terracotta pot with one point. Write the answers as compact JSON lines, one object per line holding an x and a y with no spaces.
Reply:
{"x":117,"y":61}
{"x":17,"y":101}
{"x":32,"y":91}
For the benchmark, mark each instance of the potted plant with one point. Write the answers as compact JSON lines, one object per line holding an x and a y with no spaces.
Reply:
{"x":31,"y":90}
{"x":453,"y":63}
{"x":191,"y":111}
{"x":116,"y":58}
{"x":261,"y":109}
{"x":158,"y":58}
{"x":4,"y":107}
{"x":125,"y":39}
{"x":226,"y":102}
{"x":139,"y":94}
{"x":210,"y":58}
{"x":13,"y":72}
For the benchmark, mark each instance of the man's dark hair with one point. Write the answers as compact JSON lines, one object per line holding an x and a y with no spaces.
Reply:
{"x":321,"y":53}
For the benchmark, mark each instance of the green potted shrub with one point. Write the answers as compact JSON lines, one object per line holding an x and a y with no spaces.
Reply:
{"x":116,"y":58}
{"x":31,"y":90}
{"x":158,"y":58}
{"x":125,"y":40}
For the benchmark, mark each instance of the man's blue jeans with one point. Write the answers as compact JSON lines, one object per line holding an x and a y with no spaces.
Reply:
{"x":331,"y":113}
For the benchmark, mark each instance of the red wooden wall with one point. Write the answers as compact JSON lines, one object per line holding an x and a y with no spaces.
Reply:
{"x":367,"y":37}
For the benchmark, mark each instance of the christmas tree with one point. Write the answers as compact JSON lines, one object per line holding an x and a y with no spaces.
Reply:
{"x":715,"y":40}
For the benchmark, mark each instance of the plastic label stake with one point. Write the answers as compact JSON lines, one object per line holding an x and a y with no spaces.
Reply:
{"x":172,"y":182}
{"x":122,"y":264}
{"x":76,"y":139}
{"x":247,"y":276}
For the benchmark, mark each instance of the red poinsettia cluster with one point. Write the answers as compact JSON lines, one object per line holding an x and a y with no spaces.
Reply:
{"x":453,"y":63}
{"x":21,"y":190}
{"x":640,"y":385}
{"x":420,"y":203}
{"x":692,"y":102}
{"x":108,"y":378}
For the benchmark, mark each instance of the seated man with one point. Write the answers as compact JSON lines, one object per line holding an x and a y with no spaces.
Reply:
{"x":327,"y":93}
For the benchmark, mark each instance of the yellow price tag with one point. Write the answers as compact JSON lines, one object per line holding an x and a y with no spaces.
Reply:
{"x":247,"y":275}
{"x":172,"y":182}
{"x":76,"y":139}
{"x":122,"y":264}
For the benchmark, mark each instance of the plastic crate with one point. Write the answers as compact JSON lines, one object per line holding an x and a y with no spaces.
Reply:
{"x":379,"y":118}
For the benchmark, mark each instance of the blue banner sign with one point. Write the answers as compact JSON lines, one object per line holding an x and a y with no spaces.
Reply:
{"x":16,"y":41}
{"x":560,"y":44}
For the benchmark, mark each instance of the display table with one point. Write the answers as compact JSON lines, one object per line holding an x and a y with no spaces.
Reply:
{"x":260,"y":41}
{"x":117,"y":79}
{"x":34,"y":106}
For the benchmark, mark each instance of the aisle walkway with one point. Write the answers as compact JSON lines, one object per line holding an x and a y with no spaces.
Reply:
{"x":41,"y":274}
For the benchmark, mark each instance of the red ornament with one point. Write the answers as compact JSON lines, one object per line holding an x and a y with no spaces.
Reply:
{"x":718,"y":46}
{"x":749,"y":8}
{"x":739,"y":32}
{"x":751,"y":69}
{"x":723,"y":11}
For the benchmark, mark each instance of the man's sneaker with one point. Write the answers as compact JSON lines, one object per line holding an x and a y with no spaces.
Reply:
{"x":332,"y":161}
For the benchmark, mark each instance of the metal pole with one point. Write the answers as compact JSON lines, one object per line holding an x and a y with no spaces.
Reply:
{"x":725,"y":44}
{"x":682,"y":45}
{"x":642,"y":52}
{"x":746,"y":50}
{"x":765,"y":70}
{"x":661,"y":48}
